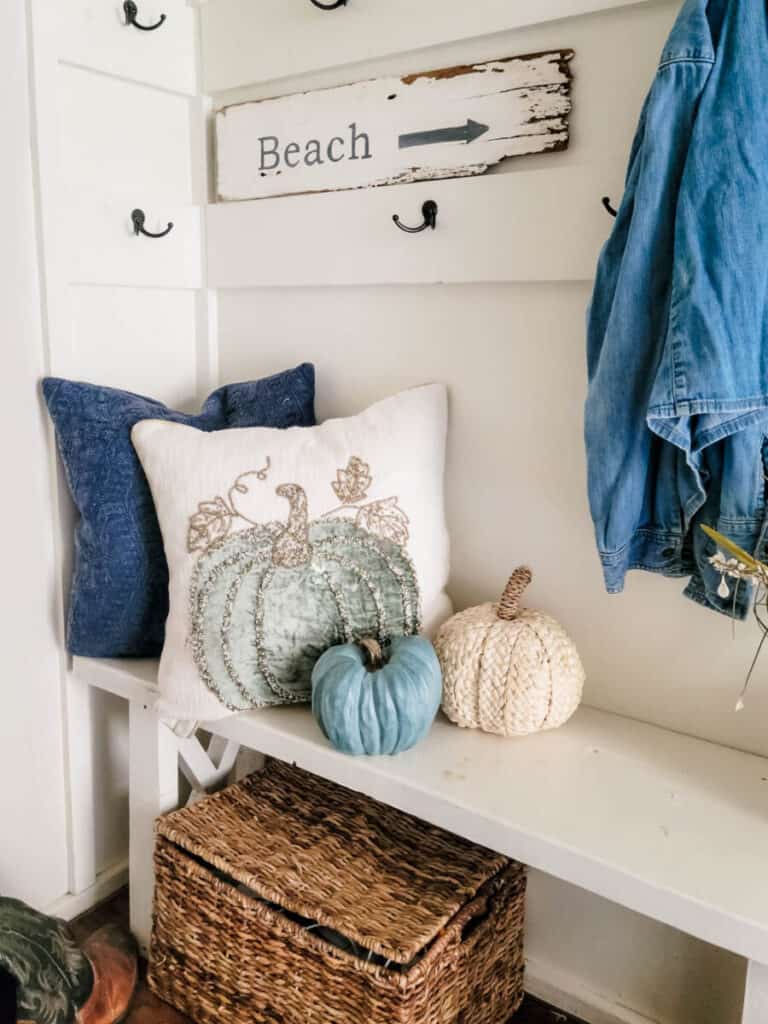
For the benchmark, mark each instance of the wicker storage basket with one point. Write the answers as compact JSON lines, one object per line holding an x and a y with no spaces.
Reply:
{"x":289,"y":900}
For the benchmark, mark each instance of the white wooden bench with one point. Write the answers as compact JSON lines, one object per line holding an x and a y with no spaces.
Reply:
{"x":669,"y":826}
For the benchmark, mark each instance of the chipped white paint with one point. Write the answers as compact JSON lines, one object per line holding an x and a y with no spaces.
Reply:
{"x":438,"y":124}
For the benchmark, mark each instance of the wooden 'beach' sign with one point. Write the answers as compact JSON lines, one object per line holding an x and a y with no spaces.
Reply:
{"x":437,"y":124}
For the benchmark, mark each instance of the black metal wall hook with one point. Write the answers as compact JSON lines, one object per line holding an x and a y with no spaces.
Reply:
{"x":428,"y":212}
{"x":138,"y":217}
{"x":607,"y":204}
{"x":131,"y":12}
{"x":331,"y":6}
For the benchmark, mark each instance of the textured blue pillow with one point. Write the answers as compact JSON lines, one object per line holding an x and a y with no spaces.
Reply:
{"x":119,"y":599}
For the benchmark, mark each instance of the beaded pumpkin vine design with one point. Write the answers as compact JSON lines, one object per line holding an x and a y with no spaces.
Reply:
{"x":266,"y":599}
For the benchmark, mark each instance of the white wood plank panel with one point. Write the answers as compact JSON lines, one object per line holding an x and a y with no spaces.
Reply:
{"x":534,"y":225}
{"x":139,"y":339}
{"x":691,"y":853}
{"x":93,"y":34}
{"x":120,"y":138}
{"x":103,"y":248}
{"x":245,"y":42}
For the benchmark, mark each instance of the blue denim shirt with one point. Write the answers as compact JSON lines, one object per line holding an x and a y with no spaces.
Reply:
{"x":677,"y":331}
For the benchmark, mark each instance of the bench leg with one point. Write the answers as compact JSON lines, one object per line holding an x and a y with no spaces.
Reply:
{"x":756,"y":995}
{"x":80,"y":800}
{"x":153,"y":790}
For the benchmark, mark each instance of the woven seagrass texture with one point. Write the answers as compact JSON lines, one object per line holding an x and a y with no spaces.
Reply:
{"x":221,"y":953}
{"x":508,"y":676}
{"x":329,"y":854}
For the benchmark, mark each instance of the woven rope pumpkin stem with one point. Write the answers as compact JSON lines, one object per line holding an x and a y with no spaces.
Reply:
{"x":509,"y":605}
{"x":373,"y":655}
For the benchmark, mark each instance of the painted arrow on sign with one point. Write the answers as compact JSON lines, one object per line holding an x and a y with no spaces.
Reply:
{"x":461,"y":133}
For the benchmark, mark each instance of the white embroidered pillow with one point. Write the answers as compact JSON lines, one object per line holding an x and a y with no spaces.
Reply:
{"x":281,"y":543}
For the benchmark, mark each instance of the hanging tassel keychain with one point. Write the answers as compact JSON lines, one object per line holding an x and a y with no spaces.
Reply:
{"x":741,"y":566}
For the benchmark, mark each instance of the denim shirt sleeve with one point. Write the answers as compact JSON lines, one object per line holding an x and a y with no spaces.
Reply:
{"x":713,"y":378}
{"x":635,"y":477}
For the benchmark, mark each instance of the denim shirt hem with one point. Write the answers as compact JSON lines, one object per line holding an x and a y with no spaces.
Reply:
{"x":667,"y":553}
{"x":650,"y":549}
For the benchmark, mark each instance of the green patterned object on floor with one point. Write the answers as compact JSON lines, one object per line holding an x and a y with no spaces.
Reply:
{"x":54,"y":977}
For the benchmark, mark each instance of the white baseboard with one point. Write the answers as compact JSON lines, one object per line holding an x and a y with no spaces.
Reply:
{"x":107,"y":882}
{"x":567,"y":993}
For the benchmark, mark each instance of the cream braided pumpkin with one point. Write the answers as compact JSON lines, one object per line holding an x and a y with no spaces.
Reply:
{"x":508,"y":669}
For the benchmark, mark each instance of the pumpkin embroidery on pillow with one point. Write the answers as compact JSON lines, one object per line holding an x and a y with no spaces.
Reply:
{"x":267,"y":599}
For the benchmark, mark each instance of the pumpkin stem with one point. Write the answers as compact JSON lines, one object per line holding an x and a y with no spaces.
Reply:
{"x":291,"y":548}
{"x":509,"y":605}
{"x":372,"y":653}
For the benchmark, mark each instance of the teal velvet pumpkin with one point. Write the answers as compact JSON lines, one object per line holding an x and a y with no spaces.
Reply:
{"x":366,"y":705}
{"x":266,"y":602}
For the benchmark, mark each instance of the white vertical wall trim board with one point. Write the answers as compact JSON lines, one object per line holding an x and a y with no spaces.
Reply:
{"x":246,"y":42}
{"x":75,"y":705}
{"x":208,"y":378}
{"x":33,"y":862}
{"x":756,"y":994}
{"x":202,"y":186}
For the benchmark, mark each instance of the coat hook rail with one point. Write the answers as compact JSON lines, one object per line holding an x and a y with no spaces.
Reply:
{"x":607,"y":204}
{"x":131,"y":12}
{"x":428,"y":212}
{"x":331,"y":6}
{"x":138,"y":217}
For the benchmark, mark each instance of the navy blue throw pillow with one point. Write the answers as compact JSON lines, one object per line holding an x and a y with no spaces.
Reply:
{"x":119,"y":599}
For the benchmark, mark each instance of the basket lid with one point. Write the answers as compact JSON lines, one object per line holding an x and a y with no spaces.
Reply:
{"x":384,"y":879}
